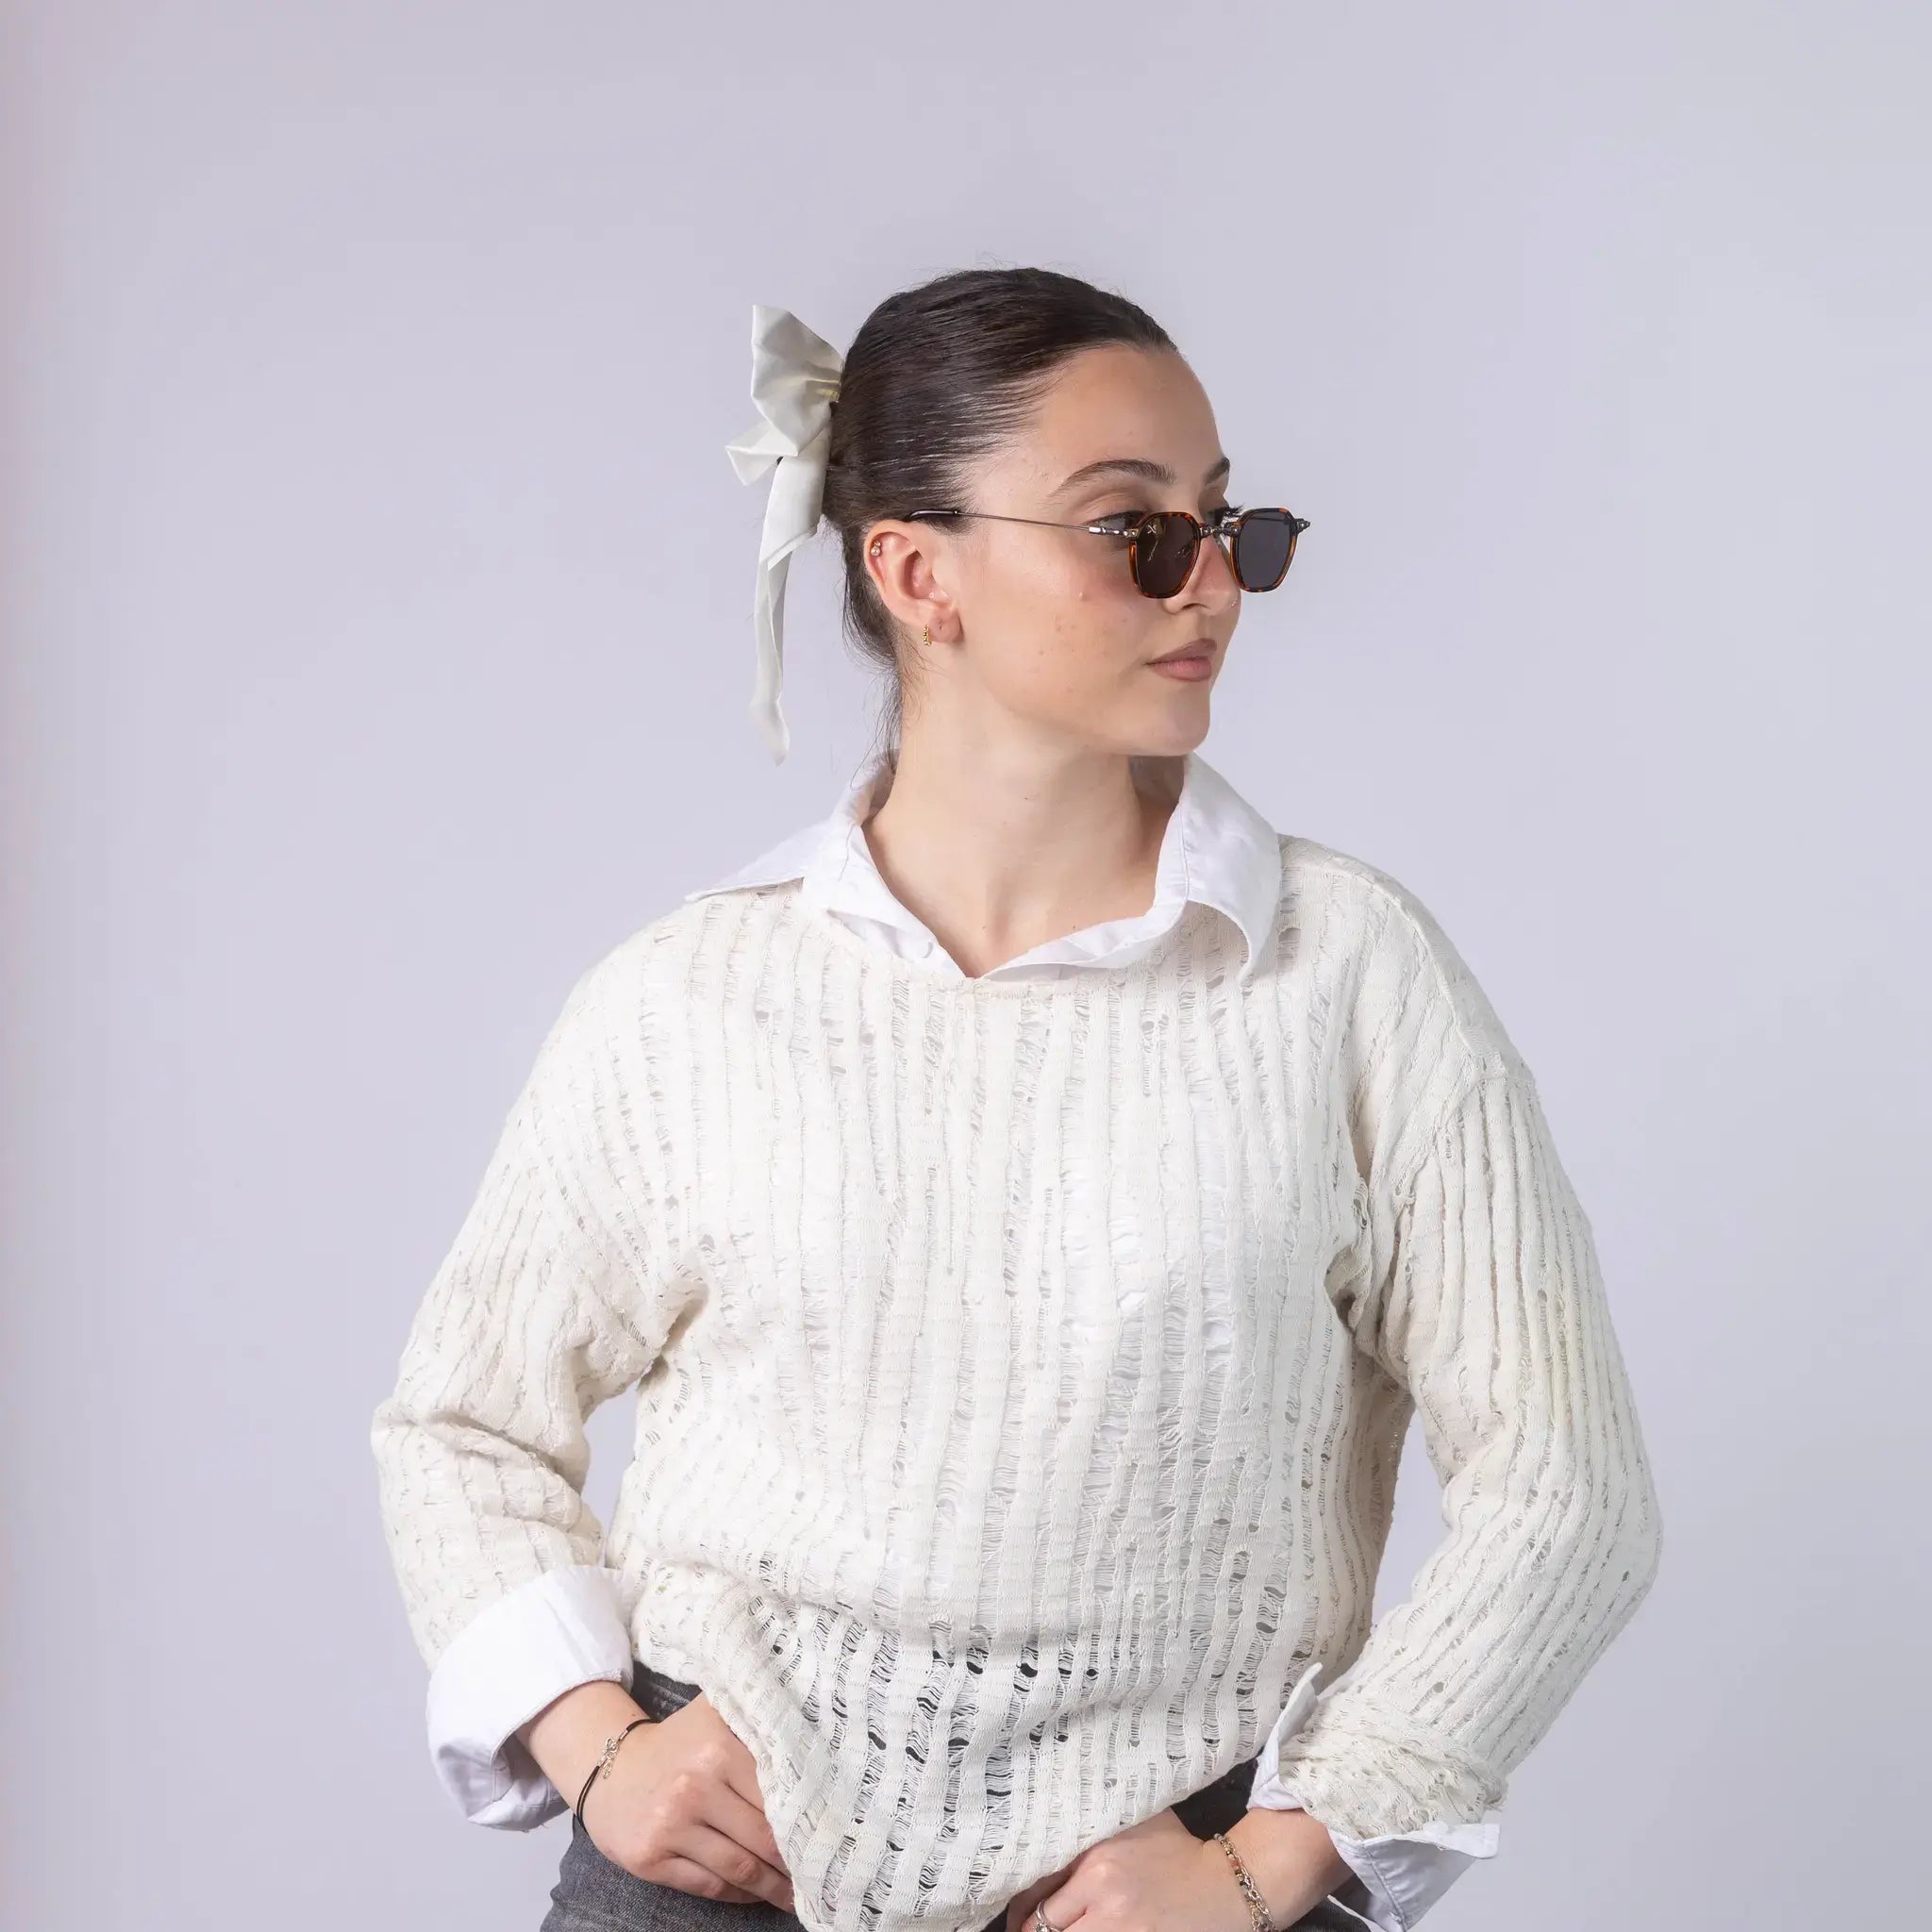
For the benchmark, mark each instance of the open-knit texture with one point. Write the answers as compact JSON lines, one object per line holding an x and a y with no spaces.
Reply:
{"x":1023,"y":1368}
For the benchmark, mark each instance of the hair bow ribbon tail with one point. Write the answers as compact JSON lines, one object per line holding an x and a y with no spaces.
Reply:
{"x":794,"y":380}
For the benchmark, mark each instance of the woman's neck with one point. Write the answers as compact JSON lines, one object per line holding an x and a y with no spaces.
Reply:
{"x":999,"y":853}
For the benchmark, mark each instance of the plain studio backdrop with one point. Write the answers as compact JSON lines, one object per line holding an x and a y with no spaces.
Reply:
{"x":379,"y":642}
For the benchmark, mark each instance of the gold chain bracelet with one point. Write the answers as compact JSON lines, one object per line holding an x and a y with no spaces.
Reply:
{"x":1257,"y":1905}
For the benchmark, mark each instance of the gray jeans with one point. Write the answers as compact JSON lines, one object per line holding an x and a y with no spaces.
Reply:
{"x":593,"y":1895}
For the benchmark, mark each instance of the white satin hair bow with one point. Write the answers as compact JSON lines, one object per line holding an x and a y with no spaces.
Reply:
{"x":794,"y":378}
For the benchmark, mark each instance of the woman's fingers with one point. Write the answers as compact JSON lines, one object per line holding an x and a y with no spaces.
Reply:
{"x":685,"y":1876}
{"x":735,"y":1864}
{"x":1020,"y":1911}
{"x":743,"y":1819}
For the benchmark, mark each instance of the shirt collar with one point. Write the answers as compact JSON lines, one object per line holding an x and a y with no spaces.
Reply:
{"x":1218,"y":849}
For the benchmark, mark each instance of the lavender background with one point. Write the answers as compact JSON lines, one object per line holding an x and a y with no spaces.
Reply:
{"x":377,"y":603}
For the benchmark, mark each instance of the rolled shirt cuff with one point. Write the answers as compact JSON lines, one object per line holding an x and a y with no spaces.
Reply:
{"x":563,"y":1629}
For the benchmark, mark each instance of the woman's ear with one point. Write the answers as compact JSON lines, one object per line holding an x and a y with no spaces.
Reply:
{"x":910,"y":569}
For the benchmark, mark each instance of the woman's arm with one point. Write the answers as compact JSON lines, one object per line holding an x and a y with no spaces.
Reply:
{"x":555,"y":1294}
{"x":1481,"y":1294}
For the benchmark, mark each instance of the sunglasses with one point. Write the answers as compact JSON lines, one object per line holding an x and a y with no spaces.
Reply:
{"x":1163,"y":544}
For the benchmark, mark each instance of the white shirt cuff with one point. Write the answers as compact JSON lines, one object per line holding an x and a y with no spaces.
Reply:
{"x":560,"y":1629}
{"x":1399,"y":1875}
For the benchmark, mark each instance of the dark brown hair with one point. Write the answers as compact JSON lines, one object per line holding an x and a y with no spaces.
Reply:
{"x":937,"y":377}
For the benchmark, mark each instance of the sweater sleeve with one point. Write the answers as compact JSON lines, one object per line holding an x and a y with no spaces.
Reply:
{"x":556,"y":1295}
{"x":1481,"y":1295}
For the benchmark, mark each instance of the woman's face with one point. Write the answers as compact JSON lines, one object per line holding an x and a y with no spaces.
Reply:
{"x":1047,"y":624}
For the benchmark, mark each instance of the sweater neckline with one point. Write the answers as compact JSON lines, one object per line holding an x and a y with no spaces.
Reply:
{"x":1073,"y":984}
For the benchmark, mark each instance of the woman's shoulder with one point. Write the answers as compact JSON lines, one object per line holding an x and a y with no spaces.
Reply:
{"x":1392,"y":959}
{"x":1319,"y":876}
{"x":660,"y":967}
{"x":654,"y":958}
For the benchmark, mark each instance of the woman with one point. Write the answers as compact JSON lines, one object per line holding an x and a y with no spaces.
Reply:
{"x":1029,"y":1205}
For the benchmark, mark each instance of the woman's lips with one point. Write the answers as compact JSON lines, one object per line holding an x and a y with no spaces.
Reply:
{"x":1191,"y":666}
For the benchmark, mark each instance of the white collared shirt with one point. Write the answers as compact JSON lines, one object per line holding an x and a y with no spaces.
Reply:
{"x":567,"y":1627}
{"x":1217,"y":849}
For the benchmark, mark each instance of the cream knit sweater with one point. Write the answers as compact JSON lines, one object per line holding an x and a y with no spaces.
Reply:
{"x":988,"y":1529}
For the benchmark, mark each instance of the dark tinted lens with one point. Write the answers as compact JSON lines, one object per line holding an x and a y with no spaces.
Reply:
{"x":1263,"y":548}
{"x":1163,"y":554}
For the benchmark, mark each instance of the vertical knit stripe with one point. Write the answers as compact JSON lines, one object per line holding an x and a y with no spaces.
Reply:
{"x":1021,"y":1370}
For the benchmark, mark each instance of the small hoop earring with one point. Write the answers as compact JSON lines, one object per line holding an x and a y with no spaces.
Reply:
{"x":926,"y":633}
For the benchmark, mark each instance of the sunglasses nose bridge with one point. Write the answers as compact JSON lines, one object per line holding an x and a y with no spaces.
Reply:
{"x":1207,"y":537}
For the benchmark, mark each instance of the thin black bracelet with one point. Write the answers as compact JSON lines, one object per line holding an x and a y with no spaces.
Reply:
{"x":603,"y":1764}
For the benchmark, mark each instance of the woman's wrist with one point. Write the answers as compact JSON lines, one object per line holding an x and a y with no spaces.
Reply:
{"x":1289,"y":1856}
{"x":568,"y":1736}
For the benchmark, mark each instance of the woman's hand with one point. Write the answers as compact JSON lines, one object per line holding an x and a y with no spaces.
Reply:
{"x":1151,"y":1877}
{"x":686,"y":1811}
{"x":680,"y":1805}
